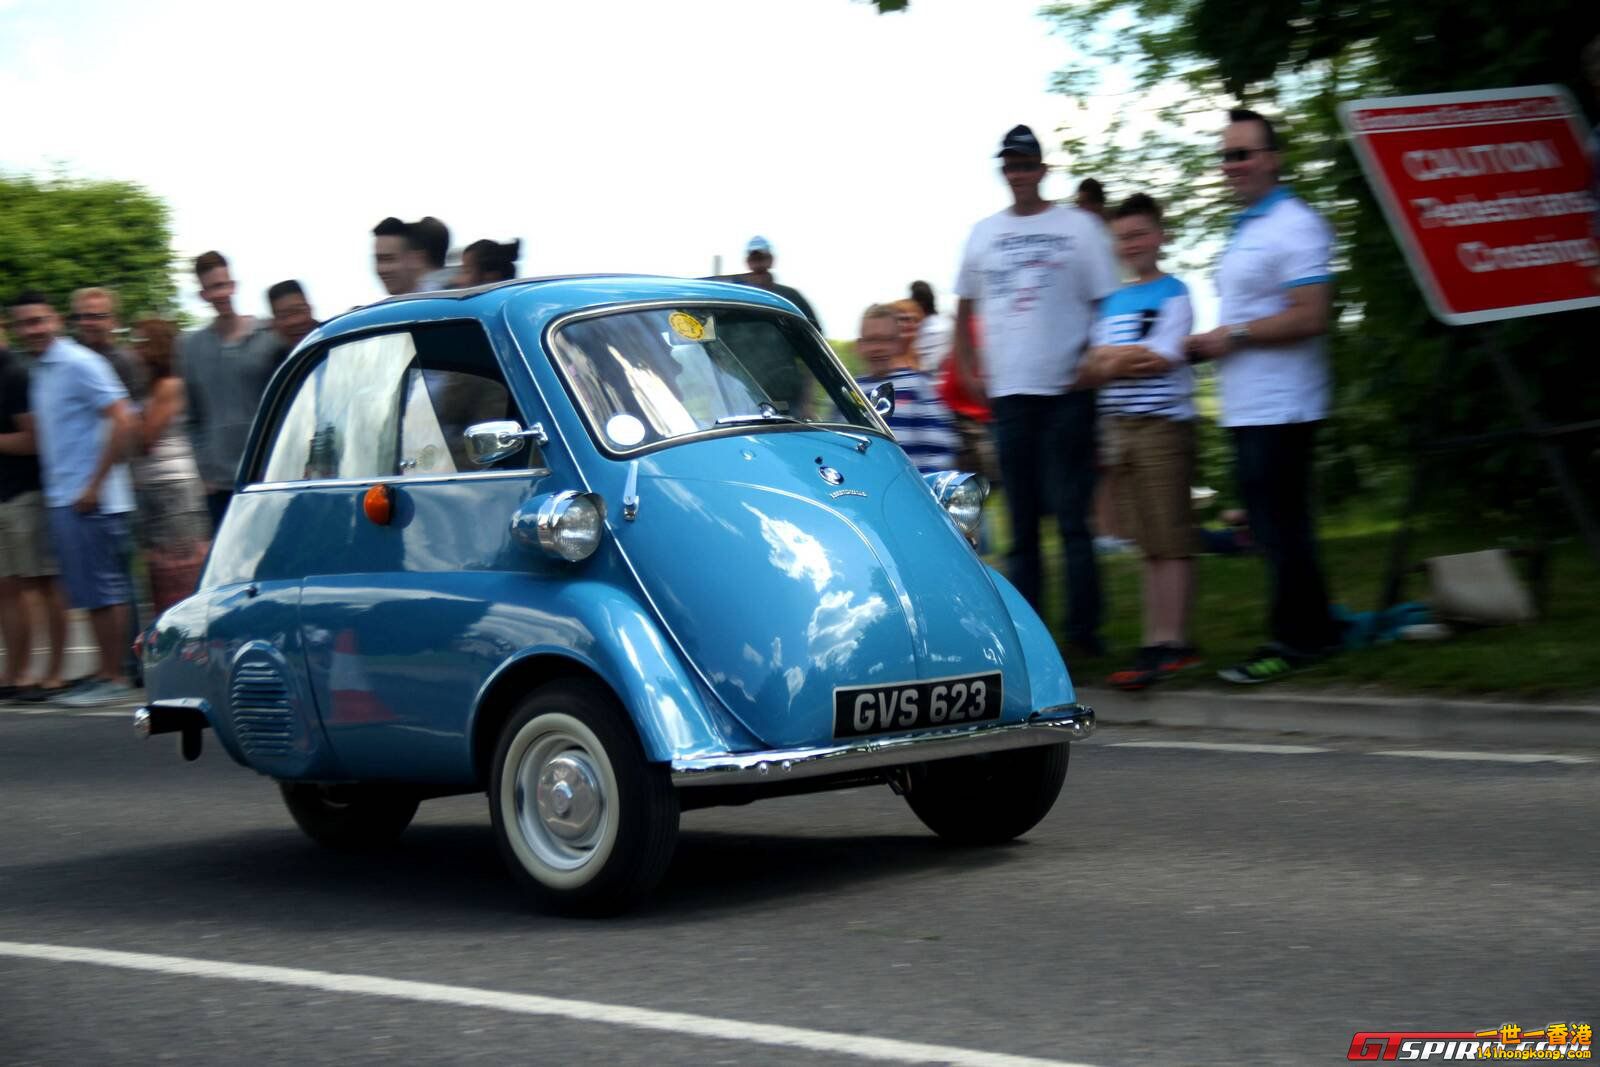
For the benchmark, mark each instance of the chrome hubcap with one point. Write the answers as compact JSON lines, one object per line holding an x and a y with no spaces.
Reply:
{"x":560,"y":800}
{"x":568,"y":796}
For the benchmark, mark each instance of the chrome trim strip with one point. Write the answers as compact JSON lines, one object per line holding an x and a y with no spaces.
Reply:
{"x":397,"y":480}
{"x":1052,"y":726}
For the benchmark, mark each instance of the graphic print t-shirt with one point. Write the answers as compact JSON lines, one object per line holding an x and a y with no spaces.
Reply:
{"x":1035,"y":279}
{"x":1156,"y":314}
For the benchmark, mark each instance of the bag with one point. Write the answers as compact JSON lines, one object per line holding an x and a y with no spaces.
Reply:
{"x":1478,"y":587}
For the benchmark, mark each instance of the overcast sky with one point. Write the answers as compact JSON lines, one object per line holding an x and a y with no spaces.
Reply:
{"x":627,"y":136}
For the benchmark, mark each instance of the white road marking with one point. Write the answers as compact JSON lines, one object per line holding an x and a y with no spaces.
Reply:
{"x":1306,"y":750}
{"x":1222,"y":746}
{"x":1489,"y":757}
{"x":680,"y":1023}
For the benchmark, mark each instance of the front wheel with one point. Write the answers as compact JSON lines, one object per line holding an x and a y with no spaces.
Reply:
{"x":988,"y":799}
{"x":585,"y":823}
{"x":350,"y":817}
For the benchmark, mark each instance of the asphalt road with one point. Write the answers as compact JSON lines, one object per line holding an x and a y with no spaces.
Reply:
{"x":1193,"y":906}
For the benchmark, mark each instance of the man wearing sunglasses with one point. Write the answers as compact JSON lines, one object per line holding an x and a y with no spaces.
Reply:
{"x":94,"y":320}
{"x":1275,"y":286}
{"x":1032,"y":275}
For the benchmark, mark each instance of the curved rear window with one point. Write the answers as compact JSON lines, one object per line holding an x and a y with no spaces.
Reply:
{"x":652,"y":375}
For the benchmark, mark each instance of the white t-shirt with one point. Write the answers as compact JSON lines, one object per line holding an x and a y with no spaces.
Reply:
{"x":1036,"y":280}
{"x":1278,"y":243}
{"x":934,"y":338}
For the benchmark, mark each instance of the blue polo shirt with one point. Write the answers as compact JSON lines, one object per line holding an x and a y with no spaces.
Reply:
{"x":69,"y":391}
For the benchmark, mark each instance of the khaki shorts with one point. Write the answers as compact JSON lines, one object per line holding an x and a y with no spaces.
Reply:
{"x":1153,"y":462}
{"x":25,"y":537}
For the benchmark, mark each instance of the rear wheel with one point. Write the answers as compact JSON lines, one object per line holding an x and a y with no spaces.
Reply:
{"x":988,"y":799}
{"x":585,"y":823}
{"x":350,"y":817}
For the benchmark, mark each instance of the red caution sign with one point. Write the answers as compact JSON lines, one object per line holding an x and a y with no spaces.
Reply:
{"x":1489,"y":193}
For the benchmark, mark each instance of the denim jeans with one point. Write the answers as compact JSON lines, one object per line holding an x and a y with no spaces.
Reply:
{"x":1047,"y":462}
{"x":1273,"y":466}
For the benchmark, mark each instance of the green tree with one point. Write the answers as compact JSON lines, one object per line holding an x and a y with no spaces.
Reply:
{"x":1298,"y":59}
{"x":59,"y":234}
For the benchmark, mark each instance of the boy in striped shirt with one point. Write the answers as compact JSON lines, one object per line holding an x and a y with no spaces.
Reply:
{"x":921,"y":423}
{"x":1146,"y":402}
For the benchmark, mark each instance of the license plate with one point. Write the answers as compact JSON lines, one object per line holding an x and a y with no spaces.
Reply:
{"x":890,"y":709}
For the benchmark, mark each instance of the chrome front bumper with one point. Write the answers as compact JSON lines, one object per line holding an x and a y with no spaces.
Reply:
{"x":1052,"y":726}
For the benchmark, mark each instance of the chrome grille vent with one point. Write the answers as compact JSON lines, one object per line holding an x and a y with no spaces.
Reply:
{"x":263,"y":721}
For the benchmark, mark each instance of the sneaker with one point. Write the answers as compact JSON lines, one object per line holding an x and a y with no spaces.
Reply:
{"x":1145,"y":672}
{"x":1175,"y":659}
{"x":1155,"y":663}
{"x":1266,"y":664}
{"x":38,"y":694}
{"x":99,"y":694}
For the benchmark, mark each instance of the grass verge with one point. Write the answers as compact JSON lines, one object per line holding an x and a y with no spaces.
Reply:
{"x":1553,"y":657}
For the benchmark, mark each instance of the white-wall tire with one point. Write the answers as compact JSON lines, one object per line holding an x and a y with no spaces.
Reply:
{"x":583,"y":821}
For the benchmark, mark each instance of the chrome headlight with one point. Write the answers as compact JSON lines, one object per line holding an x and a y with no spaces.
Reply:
{"x":961,"y":495}
{"x":568,"y":524}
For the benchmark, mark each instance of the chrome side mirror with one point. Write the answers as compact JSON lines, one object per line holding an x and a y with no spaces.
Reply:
{"x":490,"y":442}
{"x":882,"y":399}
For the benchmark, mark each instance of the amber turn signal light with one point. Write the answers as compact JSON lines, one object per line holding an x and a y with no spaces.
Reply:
{"x":379,"y":504}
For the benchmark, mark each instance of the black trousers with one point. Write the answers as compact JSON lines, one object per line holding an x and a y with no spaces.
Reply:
{"x":1273,"y":466}
{"x":1047,"y":461}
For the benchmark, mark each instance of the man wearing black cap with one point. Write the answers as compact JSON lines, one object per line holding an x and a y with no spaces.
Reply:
{"x":1032,"y":275}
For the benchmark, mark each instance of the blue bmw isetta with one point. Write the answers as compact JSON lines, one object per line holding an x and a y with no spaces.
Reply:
{"x":607,"y":549}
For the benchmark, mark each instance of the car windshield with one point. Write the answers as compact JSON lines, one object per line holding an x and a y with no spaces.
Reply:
{"x":651,"y":375}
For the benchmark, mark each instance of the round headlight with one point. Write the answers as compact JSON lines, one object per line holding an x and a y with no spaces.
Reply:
{"x":570,"y":525}
{"x":965,"y":505}
{"x":962,"y":496}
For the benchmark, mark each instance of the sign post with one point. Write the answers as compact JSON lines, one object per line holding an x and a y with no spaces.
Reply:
{"x":1490,"y":196}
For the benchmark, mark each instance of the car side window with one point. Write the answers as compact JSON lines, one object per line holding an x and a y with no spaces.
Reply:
{"x":395,"y":403}
{"x":455,"y":383}
{"x":344,"y":422}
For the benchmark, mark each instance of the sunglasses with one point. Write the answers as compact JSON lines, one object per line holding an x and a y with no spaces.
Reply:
{"x":1239,"y":155}
{"x":1021,"y":166}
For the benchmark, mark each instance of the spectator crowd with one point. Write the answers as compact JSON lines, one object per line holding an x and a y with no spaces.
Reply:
{"x":1068,"y":362}
{"x":105,"y":449}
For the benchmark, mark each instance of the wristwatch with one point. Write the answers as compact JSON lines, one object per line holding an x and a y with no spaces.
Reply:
{"x":1239,"y":334}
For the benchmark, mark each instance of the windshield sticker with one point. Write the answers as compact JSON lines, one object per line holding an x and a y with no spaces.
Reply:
{"x":625,"y":430}
{"x":687,"y":326}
